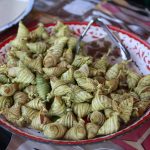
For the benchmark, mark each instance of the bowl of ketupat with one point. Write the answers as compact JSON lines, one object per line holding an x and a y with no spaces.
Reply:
{"x":50,"y":94}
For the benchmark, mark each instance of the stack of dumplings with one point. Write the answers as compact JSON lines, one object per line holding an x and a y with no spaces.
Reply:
{"x":46,"y":87}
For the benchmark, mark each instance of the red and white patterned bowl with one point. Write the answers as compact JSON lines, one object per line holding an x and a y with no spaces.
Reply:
{"x":140,"y":53}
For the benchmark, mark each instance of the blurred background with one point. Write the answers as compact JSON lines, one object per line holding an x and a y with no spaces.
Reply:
{"x":131,"y":15}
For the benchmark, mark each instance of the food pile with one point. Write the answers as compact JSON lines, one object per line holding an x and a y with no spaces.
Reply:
{"x":47,"y":87}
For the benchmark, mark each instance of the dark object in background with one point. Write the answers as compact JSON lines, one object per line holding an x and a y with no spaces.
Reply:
{"x":140,"y":3}
{"x":5,"y":137}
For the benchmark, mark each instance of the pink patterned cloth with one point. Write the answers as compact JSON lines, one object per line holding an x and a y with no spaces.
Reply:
{"x":138,"y":139}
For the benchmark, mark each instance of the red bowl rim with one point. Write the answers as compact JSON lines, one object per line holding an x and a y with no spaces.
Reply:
{"x":17,"y":131}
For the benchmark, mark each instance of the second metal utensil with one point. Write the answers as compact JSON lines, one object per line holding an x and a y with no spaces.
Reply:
{"x":124,"y":52}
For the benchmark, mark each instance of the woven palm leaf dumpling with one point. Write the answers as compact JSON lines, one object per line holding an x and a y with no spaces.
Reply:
{"x":45,"y":87}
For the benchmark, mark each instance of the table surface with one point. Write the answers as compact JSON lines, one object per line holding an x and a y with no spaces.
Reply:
{"x":124,"y":17}
{"x":81,"y":10}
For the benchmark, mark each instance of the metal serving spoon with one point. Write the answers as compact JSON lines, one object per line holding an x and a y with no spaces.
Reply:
{"x":124,"y":52}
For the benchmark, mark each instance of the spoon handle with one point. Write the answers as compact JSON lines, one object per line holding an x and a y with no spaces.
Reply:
{"x":124,"y":52}
{"x":83,"y":34}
